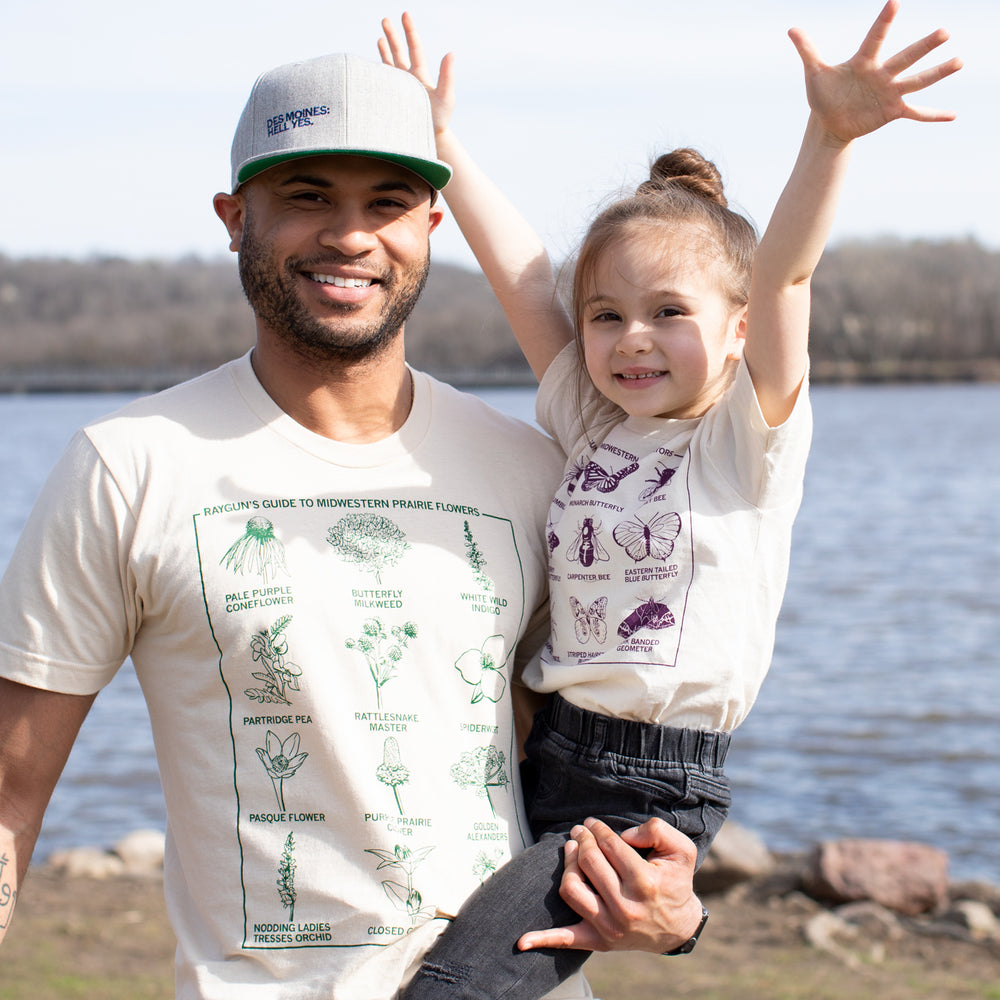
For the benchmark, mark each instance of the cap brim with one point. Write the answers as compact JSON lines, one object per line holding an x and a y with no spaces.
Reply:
{"x":434,"y":172}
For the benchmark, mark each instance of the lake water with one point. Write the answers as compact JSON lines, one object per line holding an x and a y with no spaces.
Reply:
{"x":881,"y":714}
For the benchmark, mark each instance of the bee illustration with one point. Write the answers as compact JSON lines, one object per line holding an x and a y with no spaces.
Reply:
{"x":650,"y":614}
{"x":586,"y":548}
{"x":590,"y":621}
{"x":662,"y":475}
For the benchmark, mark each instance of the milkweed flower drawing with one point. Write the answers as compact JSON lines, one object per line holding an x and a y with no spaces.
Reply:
{"x":256,"y":551}
{"x":370,"y":540}
{"x":392,"y":771}
{"x":480,"y":670}
{"x":482,"y":769}
{"x":281,"y":760}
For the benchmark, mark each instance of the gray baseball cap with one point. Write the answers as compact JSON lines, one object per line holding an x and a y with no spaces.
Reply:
{"x":337,"y":104}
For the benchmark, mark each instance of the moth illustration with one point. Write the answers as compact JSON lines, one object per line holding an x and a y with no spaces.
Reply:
{"x":648,"y":534}
{"x":586,"y":548}
{"x":590,"y":621}
{"x":595,"y":477}
{"x":662,"y":475}
{"x":650,"y":614}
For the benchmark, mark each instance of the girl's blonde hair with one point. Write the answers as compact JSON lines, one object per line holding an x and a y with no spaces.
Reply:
{"x":684,"y":190}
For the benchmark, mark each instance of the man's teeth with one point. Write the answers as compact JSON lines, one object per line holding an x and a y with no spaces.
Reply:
{"x":334,"y":279}
{"x":643,"y":375}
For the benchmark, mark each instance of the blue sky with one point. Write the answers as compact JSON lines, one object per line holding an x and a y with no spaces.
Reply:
{"x":117,"y":116}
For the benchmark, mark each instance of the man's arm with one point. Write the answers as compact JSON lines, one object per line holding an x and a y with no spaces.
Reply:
{"x":37,"y":731}
{"x":846,"y":102}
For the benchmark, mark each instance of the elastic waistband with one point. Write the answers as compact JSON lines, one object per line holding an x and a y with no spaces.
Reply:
{"x":594,"y":733}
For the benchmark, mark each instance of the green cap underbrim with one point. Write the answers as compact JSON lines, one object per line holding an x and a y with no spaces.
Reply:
{"x":433,"y":172}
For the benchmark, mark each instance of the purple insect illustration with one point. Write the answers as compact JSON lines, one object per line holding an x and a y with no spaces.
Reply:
{"x":590,"y":621}
{"x":662,"y":475}
{"x":597,"y":478}
{"x":586,"y":548}
{"x":651,"y":615}
{"x":648,"y":534}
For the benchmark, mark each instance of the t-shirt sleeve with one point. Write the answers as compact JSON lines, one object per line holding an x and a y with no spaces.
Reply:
{"x":764,"y":464}
{"x":68,"y":611}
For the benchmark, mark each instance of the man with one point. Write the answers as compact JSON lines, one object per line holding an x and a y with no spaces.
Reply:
{"x":321,"y":563}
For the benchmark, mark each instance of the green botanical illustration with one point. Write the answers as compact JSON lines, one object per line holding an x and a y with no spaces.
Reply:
{"x":257,"y":551}
{"x":269,"y":647}
{"x":403,"y":896}
{"x":382,"y":650}
{"x":286,"y":877}
{"x":370,"y":540}
{"x":281,"y":760}
{"x":476,"y":560}
{"x":485,"y":864}
{"x":482,"y":670}
{"x":482,"y":769}
{"x":392,"y":771}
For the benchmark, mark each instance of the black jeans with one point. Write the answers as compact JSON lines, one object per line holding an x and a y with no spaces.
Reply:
{"x":579,"y":764}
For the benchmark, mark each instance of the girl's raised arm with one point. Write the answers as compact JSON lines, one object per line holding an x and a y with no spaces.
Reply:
{"x":509,"y":251}
{"x":846,"y":102}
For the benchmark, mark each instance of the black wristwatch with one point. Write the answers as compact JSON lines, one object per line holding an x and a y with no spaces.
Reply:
{"x":688,"y":946}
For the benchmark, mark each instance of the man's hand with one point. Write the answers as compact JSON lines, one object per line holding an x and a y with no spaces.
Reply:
{"x":628,"y":902}
{"x":441,"y":94}
{"x":863,"y":94}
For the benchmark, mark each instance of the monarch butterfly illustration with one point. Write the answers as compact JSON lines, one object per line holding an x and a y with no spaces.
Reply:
{"x":595,"y":477}
{"x":662,"y":475}
{"x":587,"y":548}
{"x":648,"y":535}
{"x":651,"y":614}
{"x":590,"y":621}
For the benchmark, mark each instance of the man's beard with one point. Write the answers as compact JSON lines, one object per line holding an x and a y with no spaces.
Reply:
{"x":270,"y":290}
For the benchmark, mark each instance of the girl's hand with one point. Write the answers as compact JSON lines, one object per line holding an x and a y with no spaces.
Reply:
{"x":863,"y":94}
{"x":441,"y":94}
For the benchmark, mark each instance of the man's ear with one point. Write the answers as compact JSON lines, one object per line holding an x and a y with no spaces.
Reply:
{"x":436,"y":215}
{"x":231,"y":208}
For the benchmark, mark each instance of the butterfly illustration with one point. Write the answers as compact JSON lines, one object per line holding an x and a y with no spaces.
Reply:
{"x":648,"y":535}
{"x":597,"y":478}
{"x":663,"y":475}
{"x":648,"y":615}
{"x":587,"y":548}
{"x":590,"y":621}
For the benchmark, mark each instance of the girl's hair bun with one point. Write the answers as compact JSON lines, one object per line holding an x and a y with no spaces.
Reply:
{"x":685,"y":168}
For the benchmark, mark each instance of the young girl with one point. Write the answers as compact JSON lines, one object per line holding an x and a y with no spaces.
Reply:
{"x":678,"y":392}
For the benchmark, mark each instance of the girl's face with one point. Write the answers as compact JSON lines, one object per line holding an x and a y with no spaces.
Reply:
{"x":659,"y":333}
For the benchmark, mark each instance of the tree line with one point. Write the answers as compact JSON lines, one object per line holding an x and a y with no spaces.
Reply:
{"x":882,"y":310}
